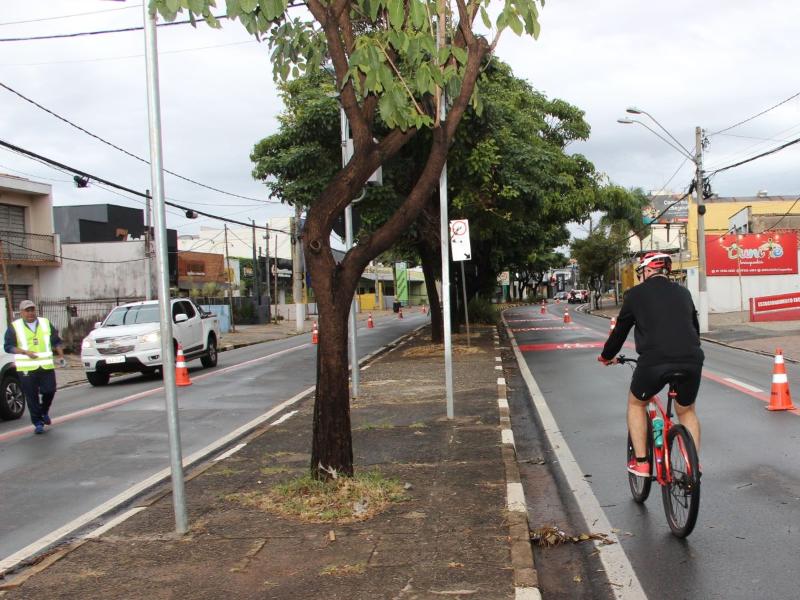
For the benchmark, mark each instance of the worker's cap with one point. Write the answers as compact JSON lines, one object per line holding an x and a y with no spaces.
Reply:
{"x":25,"y":304}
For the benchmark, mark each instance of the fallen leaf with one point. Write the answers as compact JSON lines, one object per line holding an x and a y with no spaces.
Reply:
{"x":577,"y":579}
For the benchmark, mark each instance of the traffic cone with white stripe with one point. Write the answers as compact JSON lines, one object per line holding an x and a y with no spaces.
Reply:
{"x":613,"y":324}
{"x":780,"y":398}
{"x":181,"y":372}
{"x":567,"y":318}
{"x":400,"y":313}
{"x":370,"y":322}
{"x":543,"y":310}
{"x":314,"y":334}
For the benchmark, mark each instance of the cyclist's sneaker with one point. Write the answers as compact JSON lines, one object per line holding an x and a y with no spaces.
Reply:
{"x":639,"y":469}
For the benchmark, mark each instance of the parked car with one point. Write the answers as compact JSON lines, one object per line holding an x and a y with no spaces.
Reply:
{"x":578,"y":296}
{"x":561,"y":296}
{"x":128,"y":340}
{"x":12,"y":401}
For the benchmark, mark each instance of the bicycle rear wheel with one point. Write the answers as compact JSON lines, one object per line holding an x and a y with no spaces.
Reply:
{"x":640,"y":486}
{"x":681,"y":495}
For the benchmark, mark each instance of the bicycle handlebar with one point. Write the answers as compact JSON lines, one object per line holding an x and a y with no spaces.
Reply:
{"x":622,"y":359}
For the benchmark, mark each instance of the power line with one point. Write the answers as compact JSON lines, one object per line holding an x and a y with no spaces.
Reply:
{"x":83,"y":14}
{"x":134,"y":156}
{"x":89,"y":176}
{"x":85,"y":260}
{"x":763,"y":112}
{"x":98,"y":32}
{"x":757,"y":156}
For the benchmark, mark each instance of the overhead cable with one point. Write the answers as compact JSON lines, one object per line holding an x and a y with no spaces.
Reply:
{"x":757,"y":156}
{"x":89,"y":176}
{"x":763,"y":112}
{"x":112,"y":145}
{"x":83,"y":14}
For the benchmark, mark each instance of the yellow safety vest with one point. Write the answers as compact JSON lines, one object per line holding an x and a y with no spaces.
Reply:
{"x":38,"y":342}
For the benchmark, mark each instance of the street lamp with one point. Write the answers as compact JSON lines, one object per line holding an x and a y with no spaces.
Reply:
{"x":697,"y":159}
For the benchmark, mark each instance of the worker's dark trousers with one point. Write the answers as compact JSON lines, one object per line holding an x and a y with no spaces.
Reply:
{"x":36,"y":384}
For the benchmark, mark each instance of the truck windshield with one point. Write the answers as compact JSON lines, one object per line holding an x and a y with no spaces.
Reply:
{"x":130,"y":315}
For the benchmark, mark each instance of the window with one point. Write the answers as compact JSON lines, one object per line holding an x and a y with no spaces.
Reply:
{"x":12,"y":218}
{"x":188,"y":309}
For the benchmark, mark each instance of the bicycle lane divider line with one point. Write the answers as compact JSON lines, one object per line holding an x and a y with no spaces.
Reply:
{"x":139,"y":395}
{"x":741,"y":387}
{"x":624,"y":581}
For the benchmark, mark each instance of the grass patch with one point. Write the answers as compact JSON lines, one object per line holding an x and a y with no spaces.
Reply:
{"x":369,"y":426}
{"x":273,"y":470}
{"x":341,"y":500}
{"x":344,"y":570}
{"x":438,"y":349}
{"x":225,"y":471}
{"x":418,"y":425}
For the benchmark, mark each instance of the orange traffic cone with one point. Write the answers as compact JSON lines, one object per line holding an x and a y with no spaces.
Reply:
{"x":613,"y":324}
{"x":543,"y":309}
{"x":780,"y":398}
{"x":314,"y":334}
{"x":424,"y":310}
{"x":181,"y":372}
{"x":370,"y":322}
{"x":400,"y":313}
{"x":567,"y":318}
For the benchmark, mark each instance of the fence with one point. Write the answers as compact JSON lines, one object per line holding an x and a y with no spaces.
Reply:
{"x":75,"y":318}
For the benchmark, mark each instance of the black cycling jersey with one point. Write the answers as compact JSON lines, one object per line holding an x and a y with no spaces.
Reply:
{"x":667,"y":330}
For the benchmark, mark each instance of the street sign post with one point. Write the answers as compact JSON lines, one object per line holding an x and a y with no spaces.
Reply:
{"x":459,"y":240}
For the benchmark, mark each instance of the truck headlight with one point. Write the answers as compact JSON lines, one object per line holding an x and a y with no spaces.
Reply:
{"x":150,"y":338}
{"x":87,"y":343}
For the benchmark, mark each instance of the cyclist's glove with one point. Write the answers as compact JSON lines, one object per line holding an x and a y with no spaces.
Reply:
{"x":605,"y":361}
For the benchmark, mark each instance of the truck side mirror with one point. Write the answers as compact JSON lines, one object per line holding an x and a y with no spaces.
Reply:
{"x":181,"y":317}
{"x":97,"y":325}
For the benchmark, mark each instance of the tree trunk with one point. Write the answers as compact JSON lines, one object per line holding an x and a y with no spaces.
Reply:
{"x":429,"y":268}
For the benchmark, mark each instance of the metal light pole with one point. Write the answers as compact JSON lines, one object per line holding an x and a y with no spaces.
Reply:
{"x":297,"y":271}
{"x":348,"y":234}
{"x":160,"y":230}
{"x":697,"y":159}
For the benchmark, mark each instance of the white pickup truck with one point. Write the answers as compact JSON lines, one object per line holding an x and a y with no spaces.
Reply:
{"x":129,"y":339}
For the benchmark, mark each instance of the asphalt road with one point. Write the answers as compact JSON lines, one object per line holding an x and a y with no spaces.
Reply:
{"x":105,"y":440}
{"x":746,"y":541}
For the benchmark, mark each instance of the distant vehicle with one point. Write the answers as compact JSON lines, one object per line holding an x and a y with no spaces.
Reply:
{"x":129,"y":339}
{"x":12,"y":401}
{"x":561,"y":296}
{"x":578,"y":296}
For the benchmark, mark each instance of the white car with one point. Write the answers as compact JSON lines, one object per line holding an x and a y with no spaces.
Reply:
{"x":129,"y":339}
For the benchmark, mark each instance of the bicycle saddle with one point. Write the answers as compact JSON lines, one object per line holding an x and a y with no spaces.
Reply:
{"x":675,"y":376}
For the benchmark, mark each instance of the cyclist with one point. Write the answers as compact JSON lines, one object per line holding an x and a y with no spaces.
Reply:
{"x":667,"y":339}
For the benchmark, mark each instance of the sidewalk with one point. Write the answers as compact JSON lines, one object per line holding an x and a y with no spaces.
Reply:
{"x":245,"y":335}
{"x":734,"y":330}
{"x":451,"y":535}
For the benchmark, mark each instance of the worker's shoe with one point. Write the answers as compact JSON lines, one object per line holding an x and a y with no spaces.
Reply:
{"x":38,"y":428}
{"x":46,"y":420}
{"x":639,"y":469}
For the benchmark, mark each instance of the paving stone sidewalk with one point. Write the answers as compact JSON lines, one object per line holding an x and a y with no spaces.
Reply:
{"x":449,"y":538}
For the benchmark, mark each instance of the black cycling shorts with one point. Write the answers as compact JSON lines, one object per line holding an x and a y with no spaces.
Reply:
{"x":648,"y":381}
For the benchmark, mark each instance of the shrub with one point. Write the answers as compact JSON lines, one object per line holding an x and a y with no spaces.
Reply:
{"x":482,"y":311}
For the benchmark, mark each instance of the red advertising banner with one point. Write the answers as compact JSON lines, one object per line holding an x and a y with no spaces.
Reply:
{"x":751,"y":254}
{"x":783,"y":307}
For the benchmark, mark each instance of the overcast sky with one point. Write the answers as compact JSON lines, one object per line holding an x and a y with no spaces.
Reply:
{"x":712,"y":63}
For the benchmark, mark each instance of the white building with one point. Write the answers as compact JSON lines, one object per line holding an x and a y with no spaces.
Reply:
{"x":240,"y":240}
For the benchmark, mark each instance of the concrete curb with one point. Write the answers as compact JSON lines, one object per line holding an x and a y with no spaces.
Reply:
{"x":526,"y":579}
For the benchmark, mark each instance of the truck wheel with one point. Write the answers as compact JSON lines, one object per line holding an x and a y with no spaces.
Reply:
{"x":12,"y":400}
{"x":209,"y":359}
{"x":98,"y":378}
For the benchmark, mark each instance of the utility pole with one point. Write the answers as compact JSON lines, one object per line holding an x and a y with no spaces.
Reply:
{"x":148,"y":277}
{"x":267,"y":271}
{"x":229,"y":277}
{"x":256,"y":280}
{"x":162,"y":261}
{"x":9,"y":307}
{"x":275,"y":271}
{"x":297,"y":264}
{"x":701,"y":233}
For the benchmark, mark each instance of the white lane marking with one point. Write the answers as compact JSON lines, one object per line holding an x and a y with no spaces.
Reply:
{"x":365,"y":367}
{"x":497,"y":359}
{"x":626,"y":585}
{"x":502,"y":403}
{"x":507,"y":436}
{"x":746,"y":386}
{"x":113,"y":523}
{"x":501,"y":381}
{"x":284,"y":418}
{"x":527,"y":593}
{"x":133,"y":491}
{"x":498,"y":368}
{"x":230,"y":452}
{"x":515,"y":497}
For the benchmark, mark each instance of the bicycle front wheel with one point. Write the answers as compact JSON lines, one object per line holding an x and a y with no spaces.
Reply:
{"x":640,"y":486}
{"x":681,"y":495}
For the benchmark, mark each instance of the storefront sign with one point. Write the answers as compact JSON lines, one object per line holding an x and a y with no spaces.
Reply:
{"x":751,"y":254}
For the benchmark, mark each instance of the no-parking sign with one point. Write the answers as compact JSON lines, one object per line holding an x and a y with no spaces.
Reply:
{"x":459,"y":240}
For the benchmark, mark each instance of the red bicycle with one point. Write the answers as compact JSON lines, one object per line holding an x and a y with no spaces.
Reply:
{"x":672,"y":457}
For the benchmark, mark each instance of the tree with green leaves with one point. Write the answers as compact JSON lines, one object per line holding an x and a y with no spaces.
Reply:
{"x":404,"y":65}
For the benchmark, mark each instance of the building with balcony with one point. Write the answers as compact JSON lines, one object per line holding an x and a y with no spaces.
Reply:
{"x":29,"y":248}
